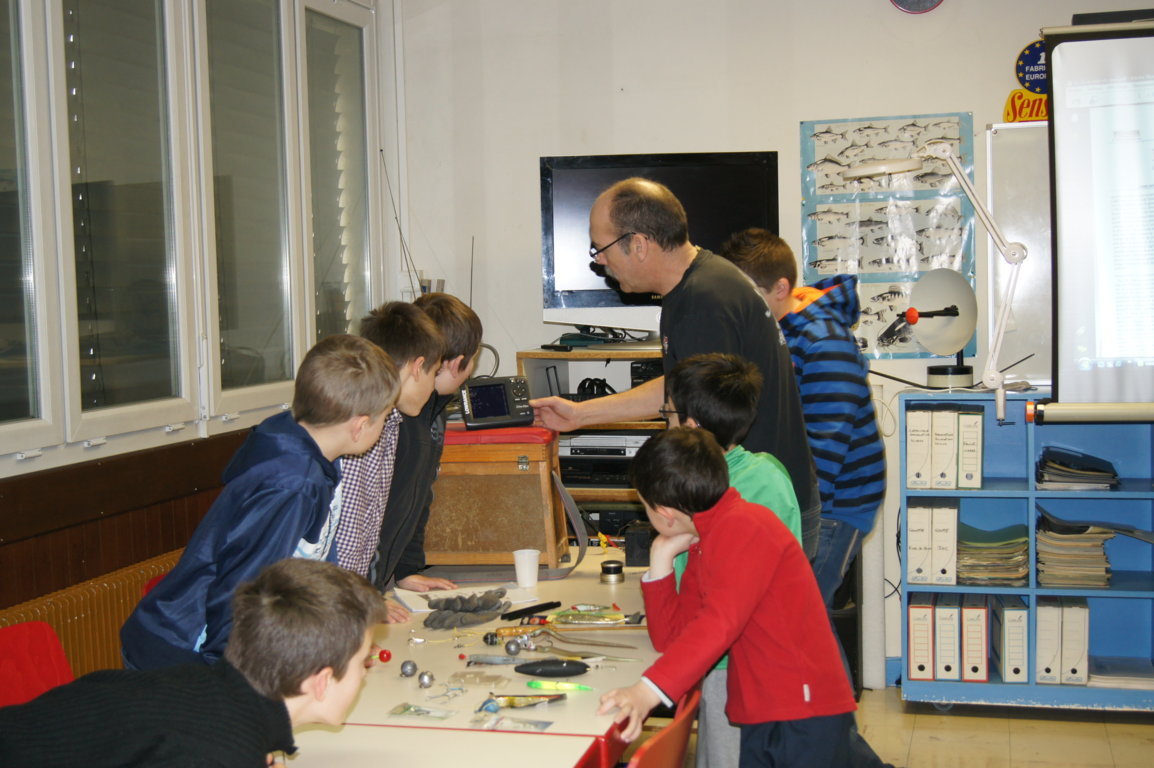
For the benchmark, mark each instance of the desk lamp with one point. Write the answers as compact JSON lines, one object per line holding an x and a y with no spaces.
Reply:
{"x":943,"y":314}
{"x":1013,"y":253}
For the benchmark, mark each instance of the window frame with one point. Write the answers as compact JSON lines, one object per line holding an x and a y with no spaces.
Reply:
{"x":374,"y":263}
{"x":245,"y":406}
{"x":27,"y":437}
{"x":65,"y":434}
{"x":93,"y":428}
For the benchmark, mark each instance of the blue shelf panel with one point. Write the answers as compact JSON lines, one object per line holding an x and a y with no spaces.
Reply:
{"x":967,"y":588}
{"x":1027,"y":695}
{"x":1127,"y":446}
{"x":1125,"y":584}
{"x":1121,"y":614}
{"x":991,"y":486}
{"x":1128,"y":487}
{"x":979,"y":398}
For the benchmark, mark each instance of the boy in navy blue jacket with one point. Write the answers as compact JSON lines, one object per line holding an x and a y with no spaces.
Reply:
{"x":281,"y":499}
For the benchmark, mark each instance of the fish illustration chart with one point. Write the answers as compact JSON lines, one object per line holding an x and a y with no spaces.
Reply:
{"x":887,"y":230}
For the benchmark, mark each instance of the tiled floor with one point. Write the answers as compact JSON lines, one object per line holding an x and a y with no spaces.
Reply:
{"x":919,"y":736}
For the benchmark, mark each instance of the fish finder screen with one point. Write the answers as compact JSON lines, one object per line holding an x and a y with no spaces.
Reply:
{"x":488,"y":400}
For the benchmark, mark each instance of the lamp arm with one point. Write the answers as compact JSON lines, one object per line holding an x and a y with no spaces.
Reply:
{"x":1013,"y":253}
{"x":992,"y":377}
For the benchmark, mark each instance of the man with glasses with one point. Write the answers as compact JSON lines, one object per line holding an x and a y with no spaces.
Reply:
{"x":639,"y":234}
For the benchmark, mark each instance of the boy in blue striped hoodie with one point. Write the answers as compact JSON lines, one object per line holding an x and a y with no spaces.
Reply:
{"x":835,"y":395}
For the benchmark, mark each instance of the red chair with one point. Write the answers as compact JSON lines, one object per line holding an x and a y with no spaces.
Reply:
{"x":666,"y":748}
{"x":32,"y":661}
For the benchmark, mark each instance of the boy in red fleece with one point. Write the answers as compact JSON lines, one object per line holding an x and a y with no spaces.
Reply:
{"x":749,"y":590}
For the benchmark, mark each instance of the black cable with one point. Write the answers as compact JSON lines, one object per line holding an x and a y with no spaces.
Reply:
{"x":1011,"y":365}
{"x":907,"y":381}
{"x":928,"y":387}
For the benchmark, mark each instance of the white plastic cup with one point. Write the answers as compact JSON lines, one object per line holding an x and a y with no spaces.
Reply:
{"x":525,"y":561}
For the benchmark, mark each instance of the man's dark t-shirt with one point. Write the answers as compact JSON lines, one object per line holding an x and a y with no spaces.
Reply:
{"x":716,"y":308}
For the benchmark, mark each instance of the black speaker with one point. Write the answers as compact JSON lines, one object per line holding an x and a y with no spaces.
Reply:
{"x":638,"y":537}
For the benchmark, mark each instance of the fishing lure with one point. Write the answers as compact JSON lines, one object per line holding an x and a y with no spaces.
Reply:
{"x":558,"y":685}
{"x":414,"y":710}
{"x":494,"y":703}
{"x":488,"y":721}
{"x":474,"y":659}
{"x":478,"y":678}
{"x":580,"y":617}
{"x":552,"y":668}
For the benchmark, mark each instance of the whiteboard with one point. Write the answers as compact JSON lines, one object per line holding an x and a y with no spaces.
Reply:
{"x":1018,"y":174}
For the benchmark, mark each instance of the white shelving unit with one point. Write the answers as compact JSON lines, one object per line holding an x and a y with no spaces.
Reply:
{"x":1121,"y":615}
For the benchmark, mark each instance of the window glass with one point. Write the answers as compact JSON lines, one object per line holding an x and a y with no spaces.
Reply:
{"x":338,"y":170}
{"x":18,"y":372}
{"x":125,"y":293}
{"x":247,"y":117}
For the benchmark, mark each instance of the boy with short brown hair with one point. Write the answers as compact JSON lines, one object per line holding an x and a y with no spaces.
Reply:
{"x":297,"y":653}
{"x":401,"y":552}
{"x":415,"y":346}
{"x":281,"y":499}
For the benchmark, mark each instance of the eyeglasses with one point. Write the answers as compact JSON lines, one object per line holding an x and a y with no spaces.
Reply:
{"x":667,"y":412}
{"x":594,"y":251}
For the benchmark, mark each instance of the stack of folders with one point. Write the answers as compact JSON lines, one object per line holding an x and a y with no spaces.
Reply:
{"x":1063,"y":469}
{"x":944,"y":447}
{"x":1071,"y":554}
{"x":1121,"y":672}
{"x":993,"y":558}
{"x":949,"y":638}
{"x":1061,"y":648}
{"x":932,"y":544}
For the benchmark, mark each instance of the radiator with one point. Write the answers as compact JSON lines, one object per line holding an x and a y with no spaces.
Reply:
{"x":87,"y":616}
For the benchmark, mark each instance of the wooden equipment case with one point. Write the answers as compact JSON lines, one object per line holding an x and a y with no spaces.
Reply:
{"x":495,"y":494}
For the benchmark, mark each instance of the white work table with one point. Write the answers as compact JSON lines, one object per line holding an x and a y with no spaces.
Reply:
{"x":366,"y":746}
{"x":576,"y":728}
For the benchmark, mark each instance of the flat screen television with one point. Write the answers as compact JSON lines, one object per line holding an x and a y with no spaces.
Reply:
{"x":723,"y":192}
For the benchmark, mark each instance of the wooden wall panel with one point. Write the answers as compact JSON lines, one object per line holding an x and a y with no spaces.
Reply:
{"x":54,"y":499}
{"x":67,"y":525}
{"x":57,"y":560}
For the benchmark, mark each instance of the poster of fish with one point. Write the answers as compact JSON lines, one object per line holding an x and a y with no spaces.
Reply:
{"x":889,"y":228}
